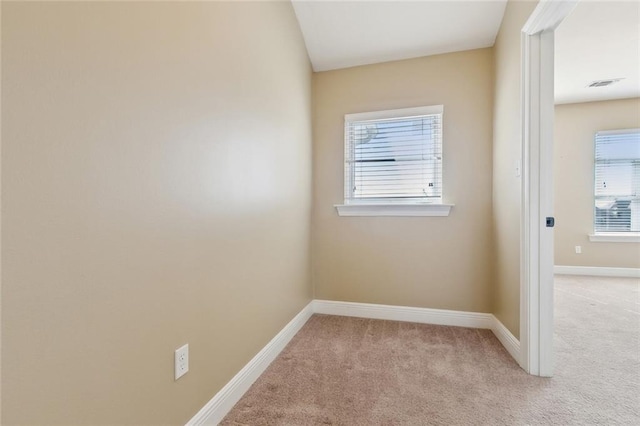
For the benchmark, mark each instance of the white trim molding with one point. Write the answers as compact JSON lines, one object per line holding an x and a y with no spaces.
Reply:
{"x":536,"y":241}
{"x":423,"y":316}
{"x":395,"y":113}
{"x":218,"y":407}
{"x":403,"y":313}
{"x":548,"y":15}
{"x":416,"y":209}
{"x":508,"y":340}
{"x":615,"y":237}
{"x":597,"y":271}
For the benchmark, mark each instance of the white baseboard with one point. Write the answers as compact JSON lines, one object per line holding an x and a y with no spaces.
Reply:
{"x":404,"y":313}
{"x":218,"y":407}
{"x":597,"y":271}
{"x":423,"y":316}
{"x":508,"y":340}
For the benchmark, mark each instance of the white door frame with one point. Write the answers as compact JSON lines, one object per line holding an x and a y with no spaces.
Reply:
{"x":536,"y":240}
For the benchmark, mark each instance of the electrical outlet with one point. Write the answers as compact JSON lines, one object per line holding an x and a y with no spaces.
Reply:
{"x":578,"y":249}
{"x":181,"y":361}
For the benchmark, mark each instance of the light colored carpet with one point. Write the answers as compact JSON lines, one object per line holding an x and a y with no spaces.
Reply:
{"x":350,"y":371}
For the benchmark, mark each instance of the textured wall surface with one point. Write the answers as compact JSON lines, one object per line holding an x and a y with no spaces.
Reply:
{"x":575,"y":128}
{"x":156,"y":191}
{"x":507,"y":149}
{"x":433,"y":262}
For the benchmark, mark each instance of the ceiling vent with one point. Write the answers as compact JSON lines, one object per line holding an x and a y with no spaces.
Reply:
{"x":604,"y":83}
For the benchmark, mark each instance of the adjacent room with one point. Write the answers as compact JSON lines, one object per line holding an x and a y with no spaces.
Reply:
{"x":308,"y":212}
{"x":597,"y":182}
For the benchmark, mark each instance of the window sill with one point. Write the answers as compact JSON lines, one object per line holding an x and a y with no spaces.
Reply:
{"x":612,"y":237}
{"x":393,"y":209}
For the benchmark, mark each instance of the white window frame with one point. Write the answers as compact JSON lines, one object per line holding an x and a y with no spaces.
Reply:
{"x":603,"y":236}
{"x":381,"y":207}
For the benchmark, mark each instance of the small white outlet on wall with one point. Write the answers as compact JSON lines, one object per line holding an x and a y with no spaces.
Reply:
{"x":578,"y":249}
{"x":182,"y":361}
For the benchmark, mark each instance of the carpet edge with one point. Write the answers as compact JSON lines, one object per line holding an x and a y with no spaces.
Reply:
{"x":404,"y":313}
{"x":597,"y":271}
{"x":223,"y":401}
{"x":508,"y":340}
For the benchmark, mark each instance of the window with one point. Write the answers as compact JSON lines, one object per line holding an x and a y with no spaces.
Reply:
{"x":617,"y":182}
{"x":394,"y":158}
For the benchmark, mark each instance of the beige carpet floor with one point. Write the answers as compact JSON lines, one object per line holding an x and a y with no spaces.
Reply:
{"x":350,"y":371}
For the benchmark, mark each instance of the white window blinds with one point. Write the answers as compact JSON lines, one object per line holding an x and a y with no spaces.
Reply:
{"x":617,"y":181}
{"x":394,"y":156}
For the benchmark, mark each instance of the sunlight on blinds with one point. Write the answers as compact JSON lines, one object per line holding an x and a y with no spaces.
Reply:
{"x":617,"y":181}
{"x":394,"y":159}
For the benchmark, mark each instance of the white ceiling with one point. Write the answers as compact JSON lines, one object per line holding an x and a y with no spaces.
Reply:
{"x":342,"y":34}
{"x":598,"y":41}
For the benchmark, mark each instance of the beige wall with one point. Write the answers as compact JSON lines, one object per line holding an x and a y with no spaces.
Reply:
{"x":156,"y":191}
{"x":575,"y":127}
{"x":432,"y":262}
{"x":506,"y":152}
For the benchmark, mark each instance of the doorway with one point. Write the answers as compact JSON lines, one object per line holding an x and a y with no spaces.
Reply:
{"x":536,"y":239}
